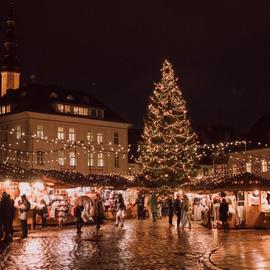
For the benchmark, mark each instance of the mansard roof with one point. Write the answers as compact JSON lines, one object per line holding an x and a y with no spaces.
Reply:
{"x":44,"y":98}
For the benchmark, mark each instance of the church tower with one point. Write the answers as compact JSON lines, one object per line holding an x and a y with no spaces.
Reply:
{"x":10,"y":70}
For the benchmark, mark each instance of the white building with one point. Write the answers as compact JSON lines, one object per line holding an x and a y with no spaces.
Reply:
{"x":48,"y":127}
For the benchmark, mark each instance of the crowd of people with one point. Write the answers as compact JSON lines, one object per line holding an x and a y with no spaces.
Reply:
{"x":152,"y":206}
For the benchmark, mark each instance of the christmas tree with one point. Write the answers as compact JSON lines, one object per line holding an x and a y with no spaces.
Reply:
{"x":168,"y":150}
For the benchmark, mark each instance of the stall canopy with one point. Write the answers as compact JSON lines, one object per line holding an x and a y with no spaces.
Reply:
{"x":63,"y":178}
{"x":241,"y":182}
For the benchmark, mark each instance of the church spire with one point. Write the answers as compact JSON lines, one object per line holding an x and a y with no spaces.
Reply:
{"x":10,"y":70}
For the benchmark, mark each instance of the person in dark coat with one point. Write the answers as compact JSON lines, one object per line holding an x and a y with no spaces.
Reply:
{"x":12,"y":211}
{"x":140,"y":206}
{"x":43,"y":213}
{"x":170,"y":209}
{"x":98,"y":211}
{"x":177,"y":209}
{"x":78,"y":214}
{"x":6,"y":215}
{"x":223,"y":214}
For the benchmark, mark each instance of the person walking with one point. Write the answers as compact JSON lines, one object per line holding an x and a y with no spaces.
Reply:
{"x":78,"y":214}
{"x":177,"y":209}
{"x":120,"y":210}
{"x":140,"y":206}
{"x":170,"y":209}
{"x":43,"y":213}
{"x":185,"y":212}
{"x":11,"y":217}
{"x":24,"y":208}
{"x":153,"y":206}
{"x":159,"y":208}
{"x":223,"y":214}
{"x":97,"y":211}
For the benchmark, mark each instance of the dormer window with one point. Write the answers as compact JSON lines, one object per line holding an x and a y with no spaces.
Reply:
{"x":70,"y":97}
{"x":53,"y":95}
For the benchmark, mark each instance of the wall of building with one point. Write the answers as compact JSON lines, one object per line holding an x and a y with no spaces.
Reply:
{"x":255,"y":161}
{"x":33,"y":142}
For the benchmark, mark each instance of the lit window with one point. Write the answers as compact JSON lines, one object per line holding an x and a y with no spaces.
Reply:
{"x":234,"y":169}
{"x":72,"y":159}
{"x":40,"y":158}
{"x":61,"y":157}
{"x":60,"y":107}
{"x":70,"y":97}
{"x":90,"y":159}
{"x":3,"y":109}
{"x":40,"y":132}
{"x":248,"y":167}
{"x":116,"y":138}
{"x":99,"y":138}
{"x":90,"y":136}
{"x":67,"y":109}
{"x":205,"y":171}
{"x":116,"y":161}
{"x":76,"y":110}
{"x":8,"y":109}
{"x":18,"y":132}
{"x":71,"y":134}
{"x":100,"y":160}
{"x":264,"y":165}
{"x":60,"y":133}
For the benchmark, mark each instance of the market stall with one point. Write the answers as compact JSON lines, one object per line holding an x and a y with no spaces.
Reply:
{"x":248,"y":197}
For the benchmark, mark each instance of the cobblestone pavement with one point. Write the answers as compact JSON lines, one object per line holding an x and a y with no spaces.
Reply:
{"x":139,"y":245}
{"x":244,"y":249}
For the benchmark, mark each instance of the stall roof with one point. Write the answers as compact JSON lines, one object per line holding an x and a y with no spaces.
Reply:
{"x":240,"y":182}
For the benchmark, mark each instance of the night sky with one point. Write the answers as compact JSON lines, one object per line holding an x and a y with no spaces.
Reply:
{"x":114,"y":49}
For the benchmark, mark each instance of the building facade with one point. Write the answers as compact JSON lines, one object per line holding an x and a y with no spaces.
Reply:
{"x":47,"y":127}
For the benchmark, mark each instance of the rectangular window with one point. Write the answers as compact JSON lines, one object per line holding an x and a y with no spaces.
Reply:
{"x":76,"y":110}
{"x":40,"y":131}
{"x":67,"y":109}
{"x":100,"y":160}
{"x":94,"y":113}
{"x":61,"y":157}
{"x":72,"y":159}
{"x":18,"y":132}
{"x":3,"y":109}
{"x":60,"y":107}
{"x":85,"y":111}
{"x":100,"y":114}
{"x":264,"y":165}
{"x":248,"y":167}
{"x":40,"y":158}
{"x":99,"y":138}
{"x":60,"y":133}
{"x":116,"y":138}
{"x":234,"y":169}
{"x":116,"y":161}
{"x":90,"y":137}
{"x":8,"y":109}
{"x":71,"y":134}
{"x":90,"y":159}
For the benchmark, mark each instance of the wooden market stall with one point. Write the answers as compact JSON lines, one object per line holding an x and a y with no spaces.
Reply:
{"x":248,"y":196}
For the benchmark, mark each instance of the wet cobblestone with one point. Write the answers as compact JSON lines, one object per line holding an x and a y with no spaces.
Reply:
{"x":243,"y":249}
{"x":139,"y":245}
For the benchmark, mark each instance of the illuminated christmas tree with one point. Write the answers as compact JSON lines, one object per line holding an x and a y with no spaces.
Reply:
{"x":168,"y":150}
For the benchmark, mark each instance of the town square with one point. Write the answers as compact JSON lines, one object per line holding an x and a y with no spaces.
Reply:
{"x":134,"y":136}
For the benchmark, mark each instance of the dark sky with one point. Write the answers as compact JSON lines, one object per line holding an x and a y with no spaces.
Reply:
{"x":219,"y":49}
